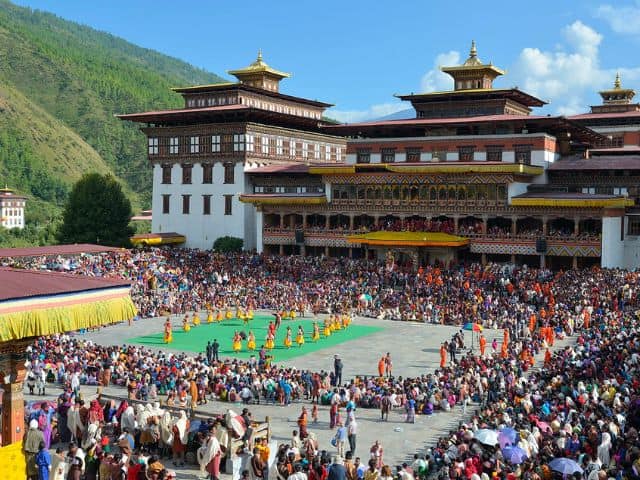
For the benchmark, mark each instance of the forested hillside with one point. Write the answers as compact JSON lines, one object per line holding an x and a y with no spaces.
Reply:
{"x":60,"y":85}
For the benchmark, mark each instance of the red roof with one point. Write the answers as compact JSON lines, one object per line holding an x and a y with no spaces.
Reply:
{"x":53,"y":250}
{"x":587,"y":116}
{"x":16,"y":284}
{"x":600,"y":162}
{"x":180,"y":111}
{"x":288,"y":168}
{"x":439,"y":121}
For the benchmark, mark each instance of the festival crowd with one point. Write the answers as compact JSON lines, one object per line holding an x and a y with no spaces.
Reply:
{"x":581,"y":409}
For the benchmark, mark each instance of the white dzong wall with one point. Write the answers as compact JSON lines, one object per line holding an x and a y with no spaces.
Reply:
{"x":612,"y":243}
{"x":200,"y":230}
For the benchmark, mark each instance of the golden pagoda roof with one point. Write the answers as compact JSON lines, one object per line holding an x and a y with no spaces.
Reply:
{"x":259,"y":66}
{"x":617,"y":89}
{"x":474,"y":64}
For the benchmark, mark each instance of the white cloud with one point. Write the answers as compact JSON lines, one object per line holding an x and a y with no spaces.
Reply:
{"x":565,"y":77}
{"x":435,"y":80}
{"x":373,"y":112}
{"x":621,"y":19}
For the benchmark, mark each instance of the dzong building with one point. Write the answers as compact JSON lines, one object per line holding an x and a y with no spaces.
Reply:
{"x":476,"y":175}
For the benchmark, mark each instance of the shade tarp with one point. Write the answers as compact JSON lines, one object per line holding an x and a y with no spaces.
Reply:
{"x":154,"y":239}
{"x":48,"y":315}
{"x":412,"y":239}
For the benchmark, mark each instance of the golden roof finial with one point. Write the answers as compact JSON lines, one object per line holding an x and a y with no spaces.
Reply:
{"x":259,"y":59}
{"x":617,"y":83}
{"x":473,"y":52}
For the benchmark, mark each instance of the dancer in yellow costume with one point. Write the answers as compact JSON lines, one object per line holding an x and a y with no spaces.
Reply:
{"x":237,"y":342}
{"x":209,"y":316}
{"x":327,"y":327}
{"x":336,"y":322}
{"x":228,"y":315}
{"x":219,"y":316}
{"x":250,"y":314}
{"x":269,"y":344}
{"x":196,"y":319}
{"x":168,"y":333}
{"x":251,"y":341}
{"x":300,"y":336}
{"x":316,"y":332}
{"x":287,"y":338}
{"x":185,"y":323}
{"x":244,"y":317}
{"x":238,"y":312}
{"x":292,"y":314}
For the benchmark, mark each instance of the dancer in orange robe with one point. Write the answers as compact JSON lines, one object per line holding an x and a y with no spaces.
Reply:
{"x":443,"y":356}
{"x":547,"y":357}
{"x":483,"y":344}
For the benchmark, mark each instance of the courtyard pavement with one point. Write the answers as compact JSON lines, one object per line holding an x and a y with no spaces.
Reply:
{"x":414,"y":349}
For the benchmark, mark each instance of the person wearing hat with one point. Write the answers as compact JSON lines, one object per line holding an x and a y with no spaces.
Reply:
{"x":31,"y":447}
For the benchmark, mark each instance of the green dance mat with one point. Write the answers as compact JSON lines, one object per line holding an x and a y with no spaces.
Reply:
{"x":196,"y":339}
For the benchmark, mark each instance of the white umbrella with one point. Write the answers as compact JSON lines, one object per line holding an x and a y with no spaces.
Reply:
{"x":486,"y":436}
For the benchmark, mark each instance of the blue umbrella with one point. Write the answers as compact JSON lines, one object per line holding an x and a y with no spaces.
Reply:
{"x":514,"y":455}
{"x":565,"y":466}
{"x":507,"y":436}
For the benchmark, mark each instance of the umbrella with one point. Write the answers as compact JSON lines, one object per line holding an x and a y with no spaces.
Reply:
{"x":486,"y":436}
{"x":514,"y":455}
{"x":544,"y":427}
{"x":565,"y":466}
{"x":472,"y":327}
{"x":507,"y":436}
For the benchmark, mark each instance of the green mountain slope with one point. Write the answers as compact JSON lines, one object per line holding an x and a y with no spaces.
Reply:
{"x":60,"y":85}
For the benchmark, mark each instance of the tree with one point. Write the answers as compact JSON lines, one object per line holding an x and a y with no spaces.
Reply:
{"x":228,"y":244}
{"x":97,"y":211}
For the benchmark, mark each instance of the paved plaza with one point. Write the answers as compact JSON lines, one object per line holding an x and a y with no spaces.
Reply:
{"x":414,"y":349}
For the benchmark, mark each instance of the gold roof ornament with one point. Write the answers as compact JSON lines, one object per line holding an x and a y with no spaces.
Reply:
{"x":473,"y":59}
{"x":258,"y":66}
{"x":617,"y":95}
{"x":473,"y":74}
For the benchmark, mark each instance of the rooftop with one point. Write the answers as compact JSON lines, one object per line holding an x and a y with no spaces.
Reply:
{"x":249,"y":88}
{"x":551,"y":124}
{"x":258,"y":66}
{"x":16,"y":284}
{"x":600,"y":162}
{"x":470,"y":94}
{"x":589,"y":116}
{"x":53,"y":250}
{"x":282,"y":168}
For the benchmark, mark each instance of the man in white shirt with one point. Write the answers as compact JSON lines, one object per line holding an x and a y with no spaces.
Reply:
{"x":298,"y":474}
{"x":352,"y":430}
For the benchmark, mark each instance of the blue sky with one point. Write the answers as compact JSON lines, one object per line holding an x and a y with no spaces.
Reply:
{"x":357,"y":54}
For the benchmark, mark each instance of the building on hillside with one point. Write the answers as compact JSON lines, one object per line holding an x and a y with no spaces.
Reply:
{"x":201,"y":153}
{"x":475,"y":176}
{"x":11,"y":209}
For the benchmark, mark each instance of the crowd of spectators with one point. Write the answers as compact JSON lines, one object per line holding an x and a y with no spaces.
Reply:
{"x":584,"y":405}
